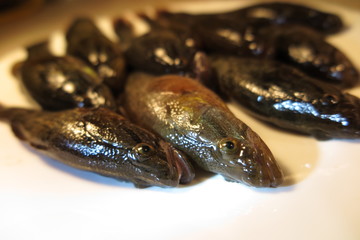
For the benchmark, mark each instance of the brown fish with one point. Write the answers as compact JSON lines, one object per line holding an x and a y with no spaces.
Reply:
{"x":101,"y":141}
{"x":196,"y":121}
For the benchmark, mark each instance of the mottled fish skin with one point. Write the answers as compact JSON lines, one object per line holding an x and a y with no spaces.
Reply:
{"x":58,"y":83}
{"x":280,"y":13}
{"x":196,"y":121}
{"x":286,"y":97}
{"x":87,"y":42}
{"x":310,"y":52}
{"x":100,"y":141}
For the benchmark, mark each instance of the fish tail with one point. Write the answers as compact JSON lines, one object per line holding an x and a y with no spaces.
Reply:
{"x":39,"y":50}
{"x":125,"y":31}
{"x":8,"y":114}
{"x":81,"y":24}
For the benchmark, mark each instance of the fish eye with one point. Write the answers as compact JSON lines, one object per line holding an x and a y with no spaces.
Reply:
{"x":328,"y":99}
{"x":144,"y":150}
{"x":229,"y":145}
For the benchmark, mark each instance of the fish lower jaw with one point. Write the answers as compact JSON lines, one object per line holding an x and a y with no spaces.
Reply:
{"x":258,"y":183}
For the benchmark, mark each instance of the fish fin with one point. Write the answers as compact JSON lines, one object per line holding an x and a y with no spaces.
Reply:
{"x":140,"y":184}
{"x":38,"y":146}
{"x":183,"y":164}
{"x":321,"y":135}
{"x":39,"y":50}
{"x":16,"y":128}
{"x":230,"y":179}
{"x":125,"y":31}
{"x":16,"y":69}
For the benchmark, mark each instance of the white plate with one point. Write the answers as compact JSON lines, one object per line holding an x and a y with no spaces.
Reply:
{"x":44,"y":199}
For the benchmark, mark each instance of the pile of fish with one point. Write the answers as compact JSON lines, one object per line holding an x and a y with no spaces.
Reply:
{"x":148,"y":108}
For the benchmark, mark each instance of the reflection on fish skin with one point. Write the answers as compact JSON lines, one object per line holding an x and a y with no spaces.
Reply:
{"x":280,"y":13}
{"x":58,"y":83}
{"x":196,"y":121}
{"x":162,"y":50}
{"x":241,"y":38}
{"x":87,"y":42}
{"x":285,"y":32}
{"x":101,"y":141}
{"x":311,"y":53}
{"x":284,"y":96}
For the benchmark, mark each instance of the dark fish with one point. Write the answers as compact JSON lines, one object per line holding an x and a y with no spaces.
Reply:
{"x":163,"y":51}
{"x":243,"y":38}
{"x":274,"y":13}
{"x":286,"y":97}
{"x":101,"y":141}
{"x":289,"y":13}
{"x":87,"y":42}
{"x":238,"y":33}
{"x":311,"y":53}
{"x":223,"y":35}
{"x":196,"y":121}
{"x":58,"y":83}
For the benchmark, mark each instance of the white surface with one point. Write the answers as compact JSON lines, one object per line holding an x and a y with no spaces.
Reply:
{"x":44,"y":199}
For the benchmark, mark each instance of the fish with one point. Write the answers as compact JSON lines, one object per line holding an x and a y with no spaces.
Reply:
{"x":61,"y":82}
{"x":281,"y":13}
{"x":163,"y":50}
{"x":196,"y":121}
{"x":275,"y":13}
{"x":284,"y":96}
{"x":310,"y":52}
{"x":101,"y":141}
{"x":86,"y":41}
{"x":242,"y":38}
{"x":242,"y":34}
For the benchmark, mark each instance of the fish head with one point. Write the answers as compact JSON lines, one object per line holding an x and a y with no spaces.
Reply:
{"x":327,"y":23}
{"x":238,"y":153}
{"x":340,"y":115}
{"x":157,"y":163}
{"x":249,"y":160}
{"x":163,"y":51}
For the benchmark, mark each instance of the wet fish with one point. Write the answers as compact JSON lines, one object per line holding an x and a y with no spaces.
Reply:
{"x":279,"y":13}
{"x":311,"y":53}
{"x":243,"y":38}
{"x":65,"y":82}
{"x":87,"y":42}
{"x":101,"y":141}
{"x":286,"y":97}
{"x":238,"y":33}
{"x":275,"y":13}
{"x":163,"y":50}
{"x":196,"y":121}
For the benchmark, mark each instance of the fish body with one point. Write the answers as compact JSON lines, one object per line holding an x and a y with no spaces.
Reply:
{"x":100,"y":141}
{"x":275,"y":13}
{"x":58,"y":83}
{"x":196,"y":121}
{"x":286,"y":97}
{"x":163,"y":50}
{"x":243,"y":38}
{"x":310,"y":52}
{"x":289,"y":38}
{"x":87,"y":42}
{"x":279,"y":13}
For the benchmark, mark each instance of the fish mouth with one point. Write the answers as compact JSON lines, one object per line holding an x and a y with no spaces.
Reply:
{"x":272,"y":175}
{"x":179,"y":166}
{"x":268,"y":172}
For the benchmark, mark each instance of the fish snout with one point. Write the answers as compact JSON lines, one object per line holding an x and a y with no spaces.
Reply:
{"x":180,"y":168}
{"x":265,"y":171}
